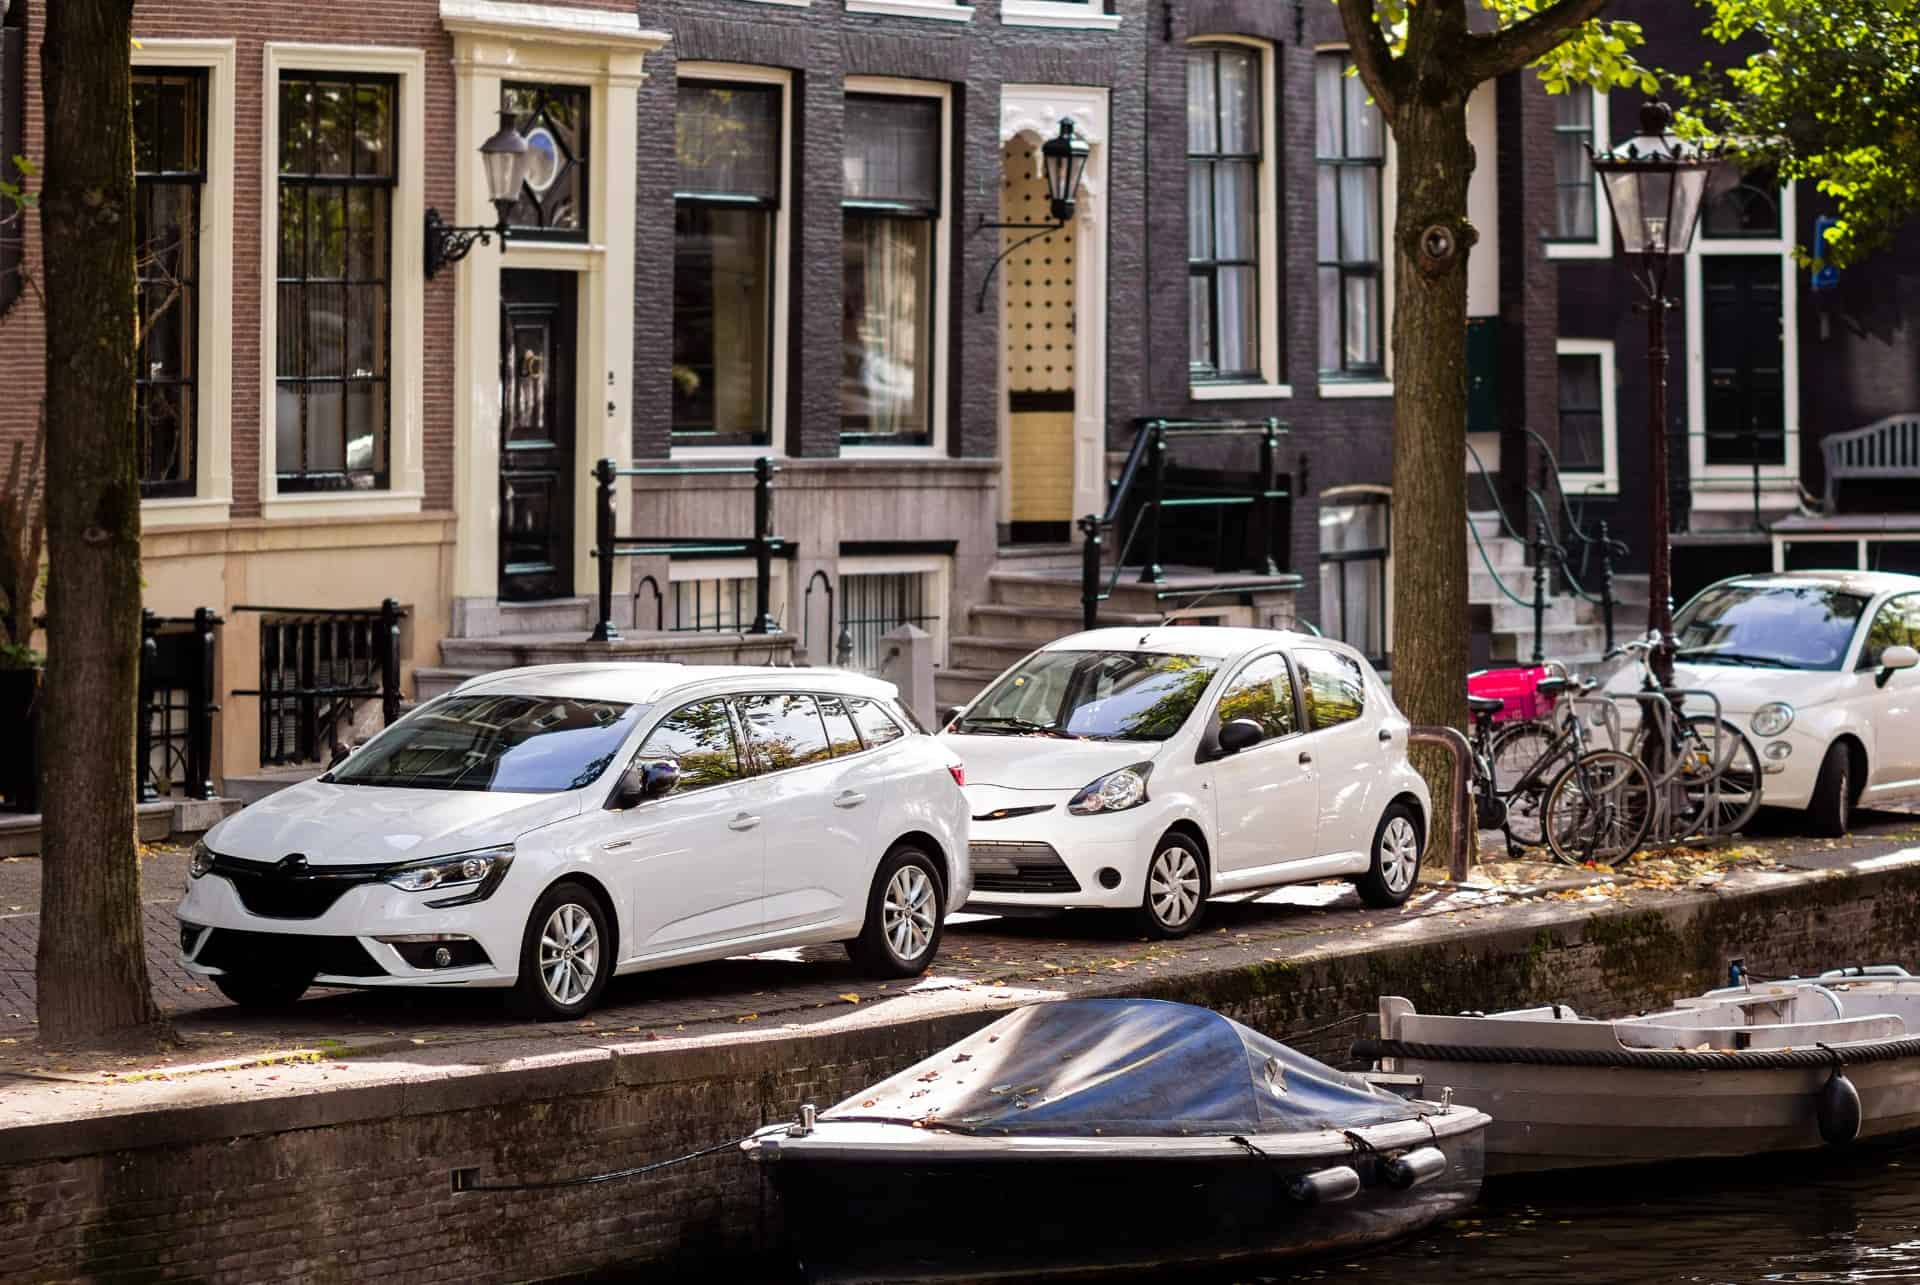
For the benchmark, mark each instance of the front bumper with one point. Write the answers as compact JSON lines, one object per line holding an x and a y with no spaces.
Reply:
{"x":1055,"y":859}
{"x":359,"y":940}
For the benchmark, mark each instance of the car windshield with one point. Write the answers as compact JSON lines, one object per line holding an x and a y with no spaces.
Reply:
{"x":506,"y":744}
{"x":1093,"y":695}
{"x":1774,"y":626}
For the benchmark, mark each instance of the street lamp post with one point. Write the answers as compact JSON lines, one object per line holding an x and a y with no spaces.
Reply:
{"x":1656,"y":184}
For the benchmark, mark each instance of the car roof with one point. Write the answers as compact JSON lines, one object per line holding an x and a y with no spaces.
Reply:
{"x":1871,"y":583}
{"x":644,"y":682}
{"x":1219,"y":642}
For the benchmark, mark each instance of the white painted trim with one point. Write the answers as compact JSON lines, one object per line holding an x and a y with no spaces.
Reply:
{"x":1271,"y":202}
{"x":212,"y":500}
{"x":1237,"y":392}
{"x":1057,"y":13}
{"x":1601,"y":246}
{"x":940,"y":594}
{"x":549,"y":24}
{"x":1341,"y":389}
{"x":1786,"y":475}
{"x":943,"y":10}
{"x":1607,"y":481}
{"x":406,"y":294}
{"x":1036,"y":110}
{"x":945,"y":250}
{"x":779,"y":333}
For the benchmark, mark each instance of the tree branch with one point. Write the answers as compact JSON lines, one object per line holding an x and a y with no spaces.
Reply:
{"x":1514,"y":47}
{"x":1371,"y":56}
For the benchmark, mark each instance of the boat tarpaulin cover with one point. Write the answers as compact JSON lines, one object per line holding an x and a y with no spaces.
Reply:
{"x":1122,"y":1067}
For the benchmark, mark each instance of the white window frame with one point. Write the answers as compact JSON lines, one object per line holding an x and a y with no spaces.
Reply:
{"x":212,"y":500}
{"x":1343,"y":389}
{"x":779,"y":332}
{"x":1601,"y":246}
{"x":1607,"y":480}
{"x":941,"y":10}
{"x":406,"y":335}
{"x":940,"y":591}
{"x":1087,"y":16}
{"x":942,"y":285}
{"x":1730,"y":486}
{"x":1267,"y":273}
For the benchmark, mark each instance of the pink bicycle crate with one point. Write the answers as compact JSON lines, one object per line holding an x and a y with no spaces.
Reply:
{"x":1519,"y":688}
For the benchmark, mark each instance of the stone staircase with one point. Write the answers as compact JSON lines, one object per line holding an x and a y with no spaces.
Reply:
{"x":1572,"y":630}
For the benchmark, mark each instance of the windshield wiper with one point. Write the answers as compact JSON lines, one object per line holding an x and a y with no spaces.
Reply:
{"x":1734,"y":657}
{"x":1024,"y":726}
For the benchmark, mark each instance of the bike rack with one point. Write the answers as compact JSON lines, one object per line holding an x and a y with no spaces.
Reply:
{"x":1665,"y":827}
{"x":1462,"y":839}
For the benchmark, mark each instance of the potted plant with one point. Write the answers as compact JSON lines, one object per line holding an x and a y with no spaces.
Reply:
{"x":23,"y":529}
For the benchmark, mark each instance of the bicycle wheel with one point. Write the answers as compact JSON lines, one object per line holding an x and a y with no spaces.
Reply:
{"x":1525,"y":751}
{"x":1599,"y":809}
{"x":1718,"y":786}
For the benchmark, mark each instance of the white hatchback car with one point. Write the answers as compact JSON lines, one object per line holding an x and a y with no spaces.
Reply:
{"x":1155,"y":768}
{"x":546,"y":828}
{"x":1815,"y":666}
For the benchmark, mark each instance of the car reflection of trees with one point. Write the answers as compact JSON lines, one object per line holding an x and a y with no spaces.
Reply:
{"x":1161,"y":719}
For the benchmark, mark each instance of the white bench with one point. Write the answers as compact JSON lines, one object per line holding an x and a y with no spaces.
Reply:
{"x":1887,"y":448}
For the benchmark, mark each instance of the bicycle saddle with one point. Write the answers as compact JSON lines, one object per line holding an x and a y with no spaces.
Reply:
{"x":1485,"y":704}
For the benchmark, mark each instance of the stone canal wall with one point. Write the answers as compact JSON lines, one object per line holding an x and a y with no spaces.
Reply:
{"x":355,"y":1184}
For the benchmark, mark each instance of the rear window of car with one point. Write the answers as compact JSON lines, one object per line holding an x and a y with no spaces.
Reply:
{"x":1335,"y":690}
{"x":877,"y":726}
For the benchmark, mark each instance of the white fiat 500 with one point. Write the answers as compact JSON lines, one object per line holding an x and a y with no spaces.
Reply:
{"x":1817,"y":667}
{"x":1155,"y":768}
{"x":545,"y":829}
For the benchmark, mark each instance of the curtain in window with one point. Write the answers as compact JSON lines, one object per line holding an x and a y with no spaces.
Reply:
{"x":1354,"y":547}
{"x":1572,"y":167}
{"x":1223,"y":212}
{"x":1350,"y":156}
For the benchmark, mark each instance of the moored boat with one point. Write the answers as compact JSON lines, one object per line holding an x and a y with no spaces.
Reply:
{"x":1094,"y":1137}
{"x":1745,"y":1070}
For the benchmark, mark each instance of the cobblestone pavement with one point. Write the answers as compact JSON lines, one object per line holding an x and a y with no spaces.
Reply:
{"x":785,"y":989}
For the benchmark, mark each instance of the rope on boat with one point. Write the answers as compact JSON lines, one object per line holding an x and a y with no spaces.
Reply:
{"x":463,"y":1185}
{"x":1819,"y":1057}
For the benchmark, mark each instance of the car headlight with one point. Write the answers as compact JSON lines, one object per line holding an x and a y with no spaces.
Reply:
{"x":200,"y":863}
{"x":479,"y":872}
{"x":1114,"y":792}
{"x":1773,"y":718}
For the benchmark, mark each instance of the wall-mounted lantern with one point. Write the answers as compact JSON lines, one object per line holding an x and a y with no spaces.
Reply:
{"x":1064,"y":159}
{"x":505,"y":158}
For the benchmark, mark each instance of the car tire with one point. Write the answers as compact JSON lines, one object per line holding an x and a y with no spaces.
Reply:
{"x":266,"y":991}
{"x":906,"y":913}
{"x":1831,"y":810}
{"x":1175,"y":899}
{"x":1395,"y":868}
{"x":566,"y":955}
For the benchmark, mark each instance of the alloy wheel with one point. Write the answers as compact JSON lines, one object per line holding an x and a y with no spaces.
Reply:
{"x":1173,"y":885}
{"x":569,"y":953}
{"x":1399,"y":854}
{"x":907,"y":913}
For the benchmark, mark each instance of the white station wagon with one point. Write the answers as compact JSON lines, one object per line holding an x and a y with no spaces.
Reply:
{"x":547,"y":828}
{"x":1154,"y":768}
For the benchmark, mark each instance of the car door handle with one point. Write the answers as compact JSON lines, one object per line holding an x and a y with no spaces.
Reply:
{"x":745,"y":821}
{"x":1305,"y":757}
{"x":1385,"y":736}
{"x":849,"y":799}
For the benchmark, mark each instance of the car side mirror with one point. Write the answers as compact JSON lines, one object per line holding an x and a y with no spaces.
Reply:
{"x":646,"y":781}
{"x":1898,"y":656}
{"x":1238,"y":734}
{"x":948,"y":713}
{"x":341,"y":753}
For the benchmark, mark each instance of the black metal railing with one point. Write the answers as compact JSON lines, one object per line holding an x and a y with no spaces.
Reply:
{"x":178,"y":686}
{"x":316,"y":665}
{"x":843,"y":640}
{"x":875,"y":604}
{"x":1270,"y":500}
{"x":762,"y":546}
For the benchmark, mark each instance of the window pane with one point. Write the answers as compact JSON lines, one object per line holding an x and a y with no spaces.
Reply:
{"x":722,"y":314}
{"x":700,"y":738}
{"x":1239,"y":322}
{"x":1239,"y":101}
{"x":1200,"y":210}
{"x":727,"y":138}
{"x":1359,"y":213}
{"x":1200,"y":319}
{"x":1582,"y":423}
{"x":1363,"y":331}
{"x":876,"y":726}
{"x":1235,"y":217}
{"x":553,"y":119}
{"x":841,"y":734}
{"x":1574,"y":176}
{"x":372,"y":133}
{"x":1365,"y":137}
{"x":296,"y":127}
{"x":893,"y":150}
{"x":1327,"y":213}
{"x":887,"y":331}
{"x":1263,"y":692}
{"x":1328,"y":286}
{"x":1335,"y":692}
{"x":784,"y":730}
{"x":1329,"y":132}
{"x":1203,"y":113}
{"x":332,"y":127}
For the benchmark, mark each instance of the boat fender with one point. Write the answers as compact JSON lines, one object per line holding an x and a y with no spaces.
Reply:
{"x":1422,"y":1164}
{"x":1837,"y":1106}
{"x":1326,"y":1186}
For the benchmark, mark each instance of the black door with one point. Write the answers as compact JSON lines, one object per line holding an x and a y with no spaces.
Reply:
{"x":1746,"y":386}
{"x":536,"y":435}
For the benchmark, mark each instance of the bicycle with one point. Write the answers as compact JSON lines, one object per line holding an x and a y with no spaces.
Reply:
{"x":1706,"y":772}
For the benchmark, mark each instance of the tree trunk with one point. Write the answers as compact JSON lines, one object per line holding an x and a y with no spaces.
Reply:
{"x":92,"y":969}
{"x":1432,"y":239}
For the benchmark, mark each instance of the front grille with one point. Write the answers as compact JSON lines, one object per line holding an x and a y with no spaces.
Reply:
{"x":273,"y":891}
{"x":234,"y":951}
{"x":1019,"y":867}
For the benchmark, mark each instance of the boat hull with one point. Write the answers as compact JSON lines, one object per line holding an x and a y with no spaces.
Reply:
{"x":873,"y":1219}
{"x":1568,"y":1117}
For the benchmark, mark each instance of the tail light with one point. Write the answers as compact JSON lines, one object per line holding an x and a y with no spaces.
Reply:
{"x":959,"y":773}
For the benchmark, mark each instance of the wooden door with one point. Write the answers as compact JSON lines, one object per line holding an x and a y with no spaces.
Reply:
{"x":537,"y":466}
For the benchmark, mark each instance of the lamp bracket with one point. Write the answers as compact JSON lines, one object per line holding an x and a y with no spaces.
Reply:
{"x":1038,"y":229}
{"x":447,"y":244}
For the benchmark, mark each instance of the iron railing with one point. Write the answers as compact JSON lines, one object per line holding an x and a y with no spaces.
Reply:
{"x":177,"y":705}
{"x":762,"y":546}
{"x":1154,"y":441}
{"x":316,"y":665}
